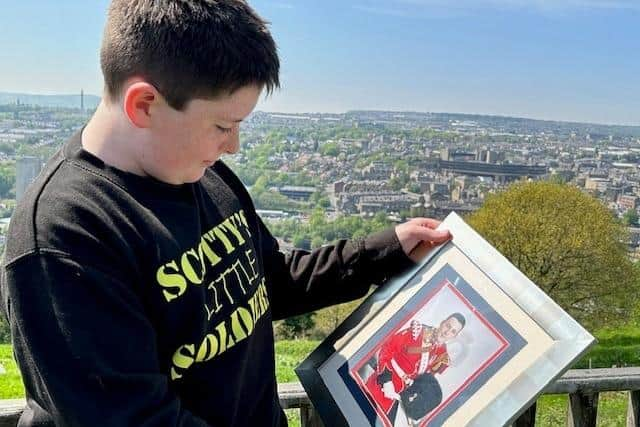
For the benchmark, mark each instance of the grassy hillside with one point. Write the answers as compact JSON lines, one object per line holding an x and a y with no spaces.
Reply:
{"x":10,"y":382}
{"x":613,"y":345}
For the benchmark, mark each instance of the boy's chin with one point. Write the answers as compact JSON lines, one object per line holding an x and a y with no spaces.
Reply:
{"x":197,"y":176}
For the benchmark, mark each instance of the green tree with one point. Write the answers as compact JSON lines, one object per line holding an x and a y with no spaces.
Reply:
{"x":317,"y":220}
{"x":415,"y":187}
{"x":7,"y":178}
{"x":5,"y":330}
{"x":568,"y":243}
{"x":316,"y":242}
{"x":328,"y":319}
{"x":330,"y":149}
{"x":296,"y":327}
{"x":324,"y":202}
{"x":300,"y":241}
{"x":630,"y":217}
{"x":272,"y":200}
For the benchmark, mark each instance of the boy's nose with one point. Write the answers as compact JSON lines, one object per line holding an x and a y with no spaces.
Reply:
{"x":233,"y":144}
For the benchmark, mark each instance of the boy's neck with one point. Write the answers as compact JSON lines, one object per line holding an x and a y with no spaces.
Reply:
{"x":112,"y":139}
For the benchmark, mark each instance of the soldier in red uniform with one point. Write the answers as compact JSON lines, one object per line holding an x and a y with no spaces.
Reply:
{"x":413,"y":351}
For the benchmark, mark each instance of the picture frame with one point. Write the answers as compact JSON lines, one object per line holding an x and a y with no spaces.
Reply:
{"x":463,"y":338}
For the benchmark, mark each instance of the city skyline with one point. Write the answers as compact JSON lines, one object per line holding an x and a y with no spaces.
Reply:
{"x":567,"y":60}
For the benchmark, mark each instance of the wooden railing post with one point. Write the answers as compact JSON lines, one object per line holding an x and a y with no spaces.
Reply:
{"x":633,"y":410}
{"x":583,"y":409}
{"x":309,"y":417}
{"x":528,"y":418}
{"x":10,"y":412}
{"x":582,"y":385}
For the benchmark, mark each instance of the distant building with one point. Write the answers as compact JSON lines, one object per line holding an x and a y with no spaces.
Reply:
{"x":597,"y":184}
{"x":296,"y":192}
{"x":487,"y":156}
{"x":440,"y":210}
{"x":493,"y":157}
{"x":386,"y":203}
{"x":504,"y":171}
{"x":565,"y":175}
{"x":27,"y":169}
{"x":462,"y":181}
{"x":627,"y":202}
{"x":377,"y":170}
{"x":349,"y":202}
{"x":428,"y":186}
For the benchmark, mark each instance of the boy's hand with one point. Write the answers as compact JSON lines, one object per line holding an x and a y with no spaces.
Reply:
{"x":418,"y":235}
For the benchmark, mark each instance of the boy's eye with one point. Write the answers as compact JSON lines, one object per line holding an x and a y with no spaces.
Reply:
{"x":223,"y":129}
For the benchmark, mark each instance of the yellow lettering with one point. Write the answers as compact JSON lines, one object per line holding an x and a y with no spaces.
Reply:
{"x":251,"y":260}
{"x":192,"y":265}
{"x":187,"y":268}
{"x":247,"y":320}
{"x":182,"y":360}
{"x":243,"y":219}
{"x":262,"y":292}
{"x":174,"y":374}
{"x":230,"y":224}
{"x":234,"y":268}
{"x":253,"y":308}
{"x":217,"y":307}
{"x":171,"y":279}
{"x":208,"y":348}
{"x":218,"y":231}
{"x":226,"y":340}
{"x":223,"y":278}
{"x":236,"y":329}
{"x":205,"y":249}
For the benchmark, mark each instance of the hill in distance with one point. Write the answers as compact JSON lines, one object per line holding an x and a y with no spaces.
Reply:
{"x":64,"y":101}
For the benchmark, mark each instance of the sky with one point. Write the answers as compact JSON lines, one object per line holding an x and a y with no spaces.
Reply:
{"x":574,"y":60}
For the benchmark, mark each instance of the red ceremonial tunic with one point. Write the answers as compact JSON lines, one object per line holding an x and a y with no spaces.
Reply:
{"x":406,"y":349}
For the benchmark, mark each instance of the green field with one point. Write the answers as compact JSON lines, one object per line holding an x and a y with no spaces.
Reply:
{"x":551,"y":409}
{"x":10,"y":383}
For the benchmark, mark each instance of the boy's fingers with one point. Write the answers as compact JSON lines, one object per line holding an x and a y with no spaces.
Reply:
{"x":427,"y":222}
{"x":431,"y":235}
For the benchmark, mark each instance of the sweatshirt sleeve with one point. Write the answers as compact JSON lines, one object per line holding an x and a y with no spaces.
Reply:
{"x":304,"y":281}
{"x":84,"y":344}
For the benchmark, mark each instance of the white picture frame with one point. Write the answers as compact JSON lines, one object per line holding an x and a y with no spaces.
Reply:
{"x":508,"y":341}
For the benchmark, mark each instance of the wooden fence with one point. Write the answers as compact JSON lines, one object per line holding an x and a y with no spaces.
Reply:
{"x":582,"y":385}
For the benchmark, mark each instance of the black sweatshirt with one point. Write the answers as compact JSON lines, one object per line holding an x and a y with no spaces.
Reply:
{"x":134,"y":302}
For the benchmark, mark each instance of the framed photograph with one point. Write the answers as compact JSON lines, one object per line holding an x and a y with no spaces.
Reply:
{"x":464,"y":338}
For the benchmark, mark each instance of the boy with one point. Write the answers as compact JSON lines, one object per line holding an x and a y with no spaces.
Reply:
{"x":139,"y":283}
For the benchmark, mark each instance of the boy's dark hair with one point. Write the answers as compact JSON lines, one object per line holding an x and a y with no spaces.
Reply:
{"x":187,"y":48}
{"x":459,"y":317}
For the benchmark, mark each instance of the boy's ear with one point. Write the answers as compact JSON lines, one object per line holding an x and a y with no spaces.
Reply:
{"x":139,"y":98}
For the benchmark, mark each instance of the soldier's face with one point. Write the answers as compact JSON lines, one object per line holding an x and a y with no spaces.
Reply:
{"x":448,"y":329}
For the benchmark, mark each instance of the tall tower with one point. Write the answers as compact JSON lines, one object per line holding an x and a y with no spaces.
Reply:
{"x":27,"y":169}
